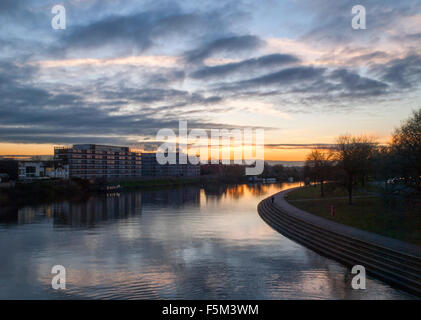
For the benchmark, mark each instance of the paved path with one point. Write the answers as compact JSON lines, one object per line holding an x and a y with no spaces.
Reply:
{"x":391,"y":260}
{"x":333,"y":226}
{"x":331,"y":198}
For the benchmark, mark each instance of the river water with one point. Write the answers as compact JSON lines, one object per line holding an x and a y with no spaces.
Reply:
{"x":171,"y":243}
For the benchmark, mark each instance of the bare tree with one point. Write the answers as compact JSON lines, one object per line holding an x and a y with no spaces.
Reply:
{"x":407,"y":144}
{"x":354,"y":154}
{"x":318,"y":165}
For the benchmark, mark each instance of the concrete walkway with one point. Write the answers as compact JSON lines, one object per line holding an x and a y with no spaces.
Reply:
{"x":394,"y":244}
{"x":391,"y":260}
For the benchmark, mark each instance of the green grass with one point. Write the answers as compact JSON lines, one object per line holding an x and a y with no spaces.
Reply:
{"x":382,"y":214}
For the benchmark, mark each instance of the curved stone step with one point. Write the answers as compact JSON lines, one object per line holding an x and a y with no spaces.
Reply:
{"x":398,"y":268}
{"x":364,"y":259}
{"x":401,"y":265}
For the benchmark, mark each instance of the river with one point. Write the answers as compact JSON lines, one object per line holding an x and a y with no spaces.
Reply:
{"x":168,"y":243}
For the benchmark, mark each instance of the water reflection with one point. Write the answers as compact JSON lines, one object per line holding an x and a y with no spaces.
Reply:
{"x":189,"y":242}
{"x":102,"y":208}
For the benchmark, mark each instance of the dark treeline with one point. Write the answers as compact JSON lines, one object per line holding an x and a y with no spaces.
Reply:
{"x":237,"y":173}
{"x":355,"y":159}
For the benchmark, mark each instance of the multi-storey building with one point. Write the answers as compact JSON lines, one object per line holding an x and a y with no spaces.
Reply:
{"x":151,"y":168}
{"x":90,"y":161}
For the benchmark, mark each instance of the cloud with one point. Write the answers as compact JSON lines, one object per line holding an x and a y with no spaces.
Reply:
{"x":9,"y":6}
{"x":120,"y":71}
{"x":355,"y":84}
{"x":136,"y":32}
{"x":403,"y":73}
{"x":267,"y":61}
{"x":299,"y":146}
{"x":331,"y":20}
{"x":307,"y":88}
{"x":284,"y":77}
{"x":34,"y":114}
{"x":232,"y":44}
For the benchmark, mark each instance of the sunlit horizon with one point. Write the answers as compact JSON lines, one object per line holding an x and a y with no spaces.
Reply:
{"x":121,"y":71}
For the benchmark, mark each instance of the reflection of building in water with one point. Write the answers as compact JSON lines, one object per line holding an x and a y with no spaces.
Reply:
{"x":173,"y":197}
{"x":219,"y":191}
{"x":88,"y":213}
{"x":34,"y":214}
{"x":215,"y":190}
{"x":223,"y":190}
{"x":97,"y":209}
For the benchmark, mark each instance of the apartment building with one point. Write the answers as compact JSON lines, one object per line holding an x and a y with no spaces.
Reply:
{"x":151,"y":168}
{"x":89,"y":161}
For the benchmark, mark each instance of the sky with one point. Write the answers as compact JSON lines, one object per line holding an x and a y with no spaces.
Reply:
{"x":122,"y":70}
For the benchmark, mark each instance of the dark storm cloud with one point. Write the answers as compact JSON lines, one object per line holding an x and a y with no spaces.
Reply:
{"x":232,"y":44}
{"x":268,"y":61}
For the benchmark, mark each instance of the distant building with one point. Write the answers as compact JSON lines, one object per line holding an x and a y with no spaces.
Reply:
{"x":152,"y":169}
{"x":88,"y":161}
{"x":32,"y":170}
{"x":56,"y":169}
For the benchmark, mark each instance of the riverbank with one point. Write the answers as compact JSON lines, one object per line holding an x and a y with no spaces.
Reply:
{"x":171,"y":181}
{"x":47,"y":191}
{"x":393,"y":261}
{"x":374,"y":210}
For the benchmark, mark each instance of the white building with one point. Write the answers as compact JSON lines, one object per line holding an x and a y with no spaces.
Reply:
{"x":33,"y":170}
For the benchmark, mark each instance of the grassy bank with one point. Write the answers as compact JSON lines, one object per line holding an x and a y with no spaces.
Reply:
{"x":373,"y":210}
{"x":44,"y":192}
